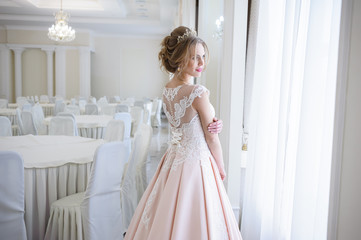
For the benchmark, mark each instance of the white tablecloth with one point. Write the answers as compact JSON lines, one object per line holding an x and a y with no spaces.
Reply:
{"x":91,"y":126}
{"x":55,"y":167}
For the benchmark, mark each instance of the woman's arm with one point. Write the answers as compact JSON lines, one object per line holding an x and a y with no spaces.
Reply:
{"x":202,"y":106}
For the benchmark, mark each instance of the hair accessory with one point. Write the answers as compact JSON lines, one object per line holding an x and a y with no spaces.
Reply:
{"x":187,"y":34}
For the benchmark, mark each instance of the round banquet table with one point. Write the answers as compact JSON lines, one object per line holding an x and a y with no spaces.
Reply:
{"x":90,"y":126}
{"x":54,"y":167}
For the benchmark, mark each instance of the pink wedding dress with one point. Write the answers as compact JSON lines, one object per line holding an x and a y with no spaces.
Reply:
{"x":186,"y":198}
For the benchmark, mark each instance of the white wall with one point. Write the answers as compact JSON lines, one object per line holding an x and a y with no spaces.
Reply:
{"x":127,"y":67}
{"x":349,"y":219}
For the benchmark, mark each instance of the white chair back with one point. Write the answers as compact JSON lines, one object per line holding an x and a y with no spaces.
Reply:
{"x":44,"y":99}
{"x":38,"y":115}
{"x":72,"y":109}
{"x":19,"y":121}
{"x":26,"y":107}
{"x":91,"y":109}
{"x":59,"y":106}
{"x":4,"y":103}
{"x":114,"y":131}
{"x":156,"y":117}
{"x":135,"y":179}
{"x":127,"y":120}
{"x":107,"y":110}
{"x":101,"y":207}
{"x":137,"y":118}
{"x":60,"y":125}
{"x":12,"y":224}
{"x":139,"y":104}
{"x":68,"y":114}
{"x":147,"y":113}
{"x":122,"y":108}
{"x":5,"y":127}
{"x":28,"y":123}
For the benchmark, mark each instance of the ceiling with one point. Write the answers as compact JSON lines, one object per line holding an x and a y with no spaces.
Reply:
{"x":114,"y":17}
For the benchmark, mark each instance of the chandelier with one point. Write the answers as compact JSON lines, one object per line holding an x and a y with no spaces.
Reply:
{"x":61,"y":32}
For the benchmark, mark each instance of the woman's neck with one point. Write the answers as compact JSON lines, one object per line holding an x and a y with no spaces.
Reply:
{"x":183,"y":79}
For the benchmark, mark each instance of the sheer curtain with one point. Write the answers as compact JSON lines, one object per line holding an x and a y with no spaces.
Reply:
{"x":291,"y":119}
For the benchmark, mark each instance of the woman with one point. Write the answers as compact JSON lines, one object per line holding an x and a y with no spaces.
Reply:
{"x":186,"y":198}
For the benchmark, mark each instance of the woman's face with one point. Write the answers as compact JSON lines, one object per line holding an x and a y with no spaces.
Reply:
{"x":195,"y":64}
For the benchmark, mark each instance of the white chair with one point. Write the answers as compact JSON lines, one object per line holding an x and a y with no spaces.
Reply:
{"x":108,"y":110}
{"x":127,"y":120}
{"x":147,"y":113}
{"x":5,"y":127}
{"x":28,"y":123}
{"x":156,"y":116}
{"x":114,"y":131}
{"x":139,"y":104}
{"x":91,"y":109}
{"x":96,"y":213}
{"x":4,"y":103}
{"x":38,"y":115}
{"x":12,"y":224}
{"x":68,"y":114}
{"x":72,"y":109}
{"x":44,"y":99}
{"x":122,"y":108}
{"x":59,"y":106}
{"x":60,"y":125}
{"x":19,"y":121}
{"x":26,"y":107}
{"x":137,"y":117}
{"x":135,"y":179}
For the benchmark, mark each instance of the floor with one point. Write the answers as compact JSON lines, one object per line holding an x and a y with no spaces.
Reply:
{"x":158,"y":146}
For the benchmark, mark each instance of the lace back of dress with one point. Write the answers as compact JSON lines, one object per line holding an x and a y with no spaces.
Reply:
{"x":177,"y":103}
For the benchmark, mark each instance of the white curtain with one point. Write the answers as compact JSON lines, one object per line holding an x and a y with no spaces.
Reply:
{"x":291,"y":119}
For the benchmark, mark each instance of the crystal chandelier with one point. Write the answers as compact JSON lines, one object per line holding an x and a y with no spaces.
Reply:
{"x":61,"y":32}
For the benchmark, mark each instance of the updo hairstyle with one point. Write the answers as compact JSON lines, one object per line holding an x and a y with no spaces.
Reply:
{"x":177,"y":48}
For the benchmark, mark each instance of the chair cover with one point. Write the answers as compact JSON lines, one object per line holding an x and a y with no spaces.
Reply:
{"x":91,"y":109}
{"x":107,"y":110}
{"x":28,"y":123}
{"x":156,"y":117}
{"x":137,"y":117}
{"x":12,"y":224}
{"x":97,"y":212}
{"x":44,"y":99}
{"x":59,"y":106}
{"x":5,"y":127}
{"x":135,"y":179}
{"x":122,"y":108}
{"x":114,"y":131}
{"x":68,"y":114}
{"x":139,"y":104}
{"x":26,"y":107}
{"x":127,"y":120}
{"x":60,"y":125}
{"x":72,"y":109}
{"x":19,"y":121}
{"x":147,"y":113}
{"x":3,"y":103}
{"x":38,"y":115}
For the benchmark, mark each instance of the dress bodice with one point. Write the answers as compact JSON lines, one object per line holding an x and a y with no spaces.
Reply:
{"x":187,"y":136}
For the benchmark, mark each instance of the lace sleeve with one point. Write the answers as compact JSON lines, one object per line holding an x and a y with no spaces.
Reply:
{"x":198,"y":90}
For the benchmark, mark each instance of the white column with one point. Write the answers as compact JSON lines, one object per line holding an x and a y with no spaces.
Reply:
{"x":50,"y":71}
{"x":18,"y":71}
{"x":60,"y":71}
{"x":232,"y":94}
{"x":5,"y":90}
{"x":84,"y":71}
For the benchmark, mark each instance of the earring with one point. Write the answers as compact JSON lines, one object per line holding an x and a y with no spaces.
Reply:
{"x":178,"y":69}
